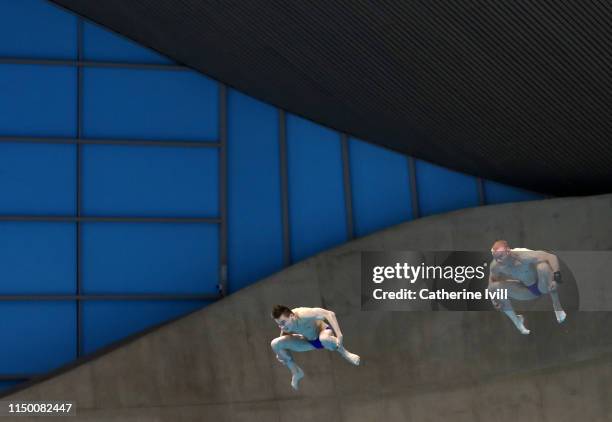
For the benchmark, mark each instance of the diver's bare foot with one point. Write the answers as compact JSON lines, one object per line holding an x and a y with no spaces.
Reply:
{"x":298,"y":374}
{"x":522,"y":328}
{"x":560,"y":316}
{"x":351,"y":357}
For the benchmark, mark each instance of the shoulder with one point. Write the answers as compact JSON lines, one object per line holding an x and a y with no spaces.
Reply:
{"x":313,"y":313}
{"x":299,"y":310}
{"x":526,"y":255}
{"x":303,"y":312}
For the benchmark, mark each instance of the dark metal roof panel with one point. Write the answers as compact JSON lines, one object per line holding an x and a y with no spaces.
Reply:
{"x":514,"y":91}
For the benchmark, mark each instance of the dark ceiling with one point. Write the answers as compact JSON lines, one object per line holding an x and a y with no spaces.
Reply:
{"x":515,"y":91}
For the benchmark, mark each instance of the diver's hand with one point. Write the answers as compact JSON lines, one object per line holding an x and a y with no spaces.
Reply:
{"x":340,"y":340}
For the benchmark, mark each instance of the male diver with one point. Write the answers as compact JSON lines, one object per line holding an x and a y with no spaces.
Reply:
{"x":526,"y":275}
{"x":304,"y":329}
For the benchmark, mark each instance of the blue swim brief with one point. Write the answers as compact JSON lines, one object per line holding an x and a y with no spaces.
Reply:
{"x":317,"y":343}
{"x":534,"y":289}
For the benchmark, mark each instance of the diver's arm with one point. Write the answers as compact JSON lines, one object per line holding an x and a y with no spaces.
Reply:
{"x":550,"y":258}
{"x":324,"y":315}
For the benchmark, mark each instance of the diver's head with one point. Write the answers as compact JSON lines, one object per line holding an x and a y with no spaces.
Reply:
{"x":500,"y":251}
{"x":284,"y":317}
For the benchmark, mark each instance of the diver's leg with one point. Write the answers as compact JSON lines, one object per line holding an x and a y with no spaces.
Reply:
{"x":547,"y":284}
{"x":330,"y":342}
{"x":282,"y":346}
{"x":516,"y":290}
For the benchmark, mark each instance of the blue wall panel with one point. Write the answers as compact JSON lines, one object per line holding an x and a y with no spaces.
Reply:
{"x":100,"y":44}
{"x":442,"y":190}
{"x":150,"y":181}
{"x":36,"y":29}
{"x":380,"y":187}
{"x":150,"y":258}
{"x":37,"y":179}
{"x":5,"y":385}
{"x":42,"y":336}
{"x":107,"y":322}
{"x":37,"y":100}
{"x":149,"y":104}
{"x":317,"y":210}
{"x":37,"y":257}
{"x":254,"y":199}
{"x":496,"y":193}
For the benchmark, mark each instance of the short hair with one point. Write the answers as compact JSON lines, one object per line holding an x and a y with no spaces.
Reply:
{"x":499,"y":243}
{"x":279,"y":310}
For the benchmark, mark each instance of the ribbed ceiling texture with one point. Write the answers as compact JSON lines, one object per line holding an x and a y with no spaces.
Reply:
{"x":514,"y":91}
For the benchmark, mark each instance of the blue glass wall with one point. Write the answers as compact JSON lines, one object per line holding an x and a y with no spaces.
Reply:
{"x":37,"y":178}
{"x":496,"y":193}
{"x":317,"y":215}
{"x":42,"y":336}
{"x":149,"y":104}
{"x":105,"y":322}
{"x":151,"y":167}
{"x":38,"y":100}
{"x":102,"y":45}
{"x":44,"y":174}
{"x":36,"y":29}
{"x":254,"y":191}
{"x":380,"y":187}
{"x":441,"y":189}
{"x":37,"y":257}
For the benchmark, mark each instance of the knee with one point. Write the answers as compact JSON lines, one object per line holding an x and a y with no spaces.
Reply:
{"x":545,"y":276}
{"x":494,"y":287}
{"x":329,"y":342}
{"x":544,"y":271}
{"x":275,"y":344}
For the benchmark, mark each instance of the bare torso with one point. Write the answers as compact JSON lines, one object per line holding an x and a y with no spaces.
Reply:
{"x":521,"y":266}
{"x":307,"y":327}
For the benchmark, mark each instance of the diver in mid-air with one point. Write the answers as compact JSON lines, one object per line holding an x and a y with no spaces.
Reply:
{"x":305,"y":329}
{"x":526,"y":275}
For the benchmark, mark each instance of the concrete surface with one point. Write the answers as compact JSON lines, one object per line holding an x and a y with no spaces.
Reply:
{"x":216,"y":364}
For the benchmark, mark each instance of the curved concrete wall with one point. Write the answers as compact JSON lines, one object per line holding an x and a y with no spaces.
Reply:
{"x":216,"y":364}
